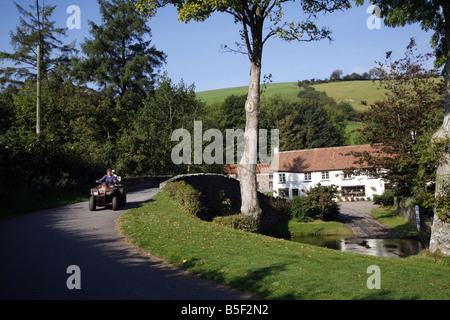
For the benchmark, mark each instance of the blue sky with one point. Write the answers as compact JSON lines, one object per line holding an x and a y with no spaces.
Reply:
{"x":194,"y":49}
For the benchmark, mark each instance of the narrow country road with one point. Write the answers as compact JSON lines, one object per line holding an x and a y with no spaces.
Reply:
{"x":356,"y":216}
{"x":36,"y":249}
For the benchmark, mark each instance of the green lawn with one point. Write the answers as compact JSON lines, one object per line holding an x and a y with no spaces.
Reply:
{"x":274,"y":268}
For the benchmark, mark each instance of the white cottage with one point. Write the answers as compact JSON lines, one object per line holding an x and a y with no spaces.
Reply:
{"x":294,"y":172}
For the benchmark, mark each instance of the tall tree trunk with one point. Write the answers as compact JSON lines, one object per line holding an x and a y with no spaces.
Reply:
{"x":440,"y":231}
{"x":247,"y":167}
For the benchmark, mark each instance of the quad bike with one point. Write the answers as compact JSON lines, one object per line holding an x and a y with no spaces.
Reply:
{"x":103,"y":195}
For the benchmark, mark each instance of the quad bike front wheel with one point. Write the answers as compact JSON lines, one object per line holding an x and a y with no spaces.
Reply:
{"x":92,"y":203}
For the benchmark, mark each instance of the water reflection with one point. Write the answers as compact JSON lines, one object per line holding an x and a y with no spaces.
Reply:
{"x":376,"y":247}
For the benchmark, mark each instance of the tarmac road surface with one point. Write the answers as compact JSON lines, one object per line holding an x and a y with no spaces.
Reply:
{"x":37,"y":249}
{"x":357,"y":217}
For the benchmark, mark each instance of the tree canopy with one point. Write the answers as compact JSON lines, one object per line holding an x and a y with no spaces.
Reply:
{"x":433,"y":15}
{"x":400,"y":125}
{"x":429,"y":13}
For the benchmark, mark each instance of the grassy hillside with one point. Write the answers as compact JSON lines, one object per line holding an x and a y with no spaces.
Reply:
{"x":351,"y":91}
{"x":287,"y":89}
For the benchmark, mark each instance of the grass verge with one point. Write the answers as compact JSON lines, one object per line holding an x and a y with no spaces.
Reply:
{"x":390,"y":218}
{"x":274,"y":268}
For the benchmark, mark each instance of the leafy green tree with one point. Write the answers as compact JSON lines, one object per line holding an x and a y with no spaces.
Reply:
{"x":273,"y":109}
{"x":36,"y":27}
{"x":259,"y":20}
{"x":6,"y":108}
{"x":433,"y":15}
{"x":146,"y":147}
{"x":315,"y":121}
{"x":309,"y":126}
{"x":234,"y":112}
{"x":336,"y":75}
{"x":345,"y":111}
{"x":396,"y":124}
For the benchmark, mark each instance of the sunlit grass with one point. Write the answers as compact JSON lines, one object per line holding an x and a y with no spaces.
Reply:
{"x":274,"y":268}
{"x":390,"y":218}
{"x":351,"y":91}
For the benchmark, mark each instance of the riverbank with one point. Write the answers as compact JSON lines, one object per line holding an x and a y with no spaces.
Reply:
{"x":273,"y":268}
{"x":379,"y":232}
{"x":364,"y":220}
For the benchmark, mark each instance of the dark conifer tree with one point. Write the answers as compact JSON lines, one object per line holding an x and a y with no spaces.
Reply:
{"x":36,"y":27}
{"x":119,"y":56}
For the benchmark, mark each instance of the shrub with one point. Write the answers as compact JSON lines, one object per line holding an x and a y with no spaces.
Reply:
{"x":317,"y":204}
{"x":275,"y":216}
{"x":279,"y":205}
{"x":385,"y":200}
{"x":297,"y":210}
{"x":221,"y":204}
{"x":238,"y":221}
{"x":185,"y":195}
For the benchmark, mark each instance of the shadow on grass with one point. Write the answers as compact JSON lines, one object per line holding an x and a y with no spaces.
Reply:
{"x":406,"y":229}
{"x":383,"y":295}
{"x":256,"y":281}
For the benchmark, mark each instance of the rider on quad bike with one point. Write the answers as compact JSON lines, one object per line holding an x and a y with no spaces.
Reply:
{"x":110,"y":191}
{"x":109,"y":178}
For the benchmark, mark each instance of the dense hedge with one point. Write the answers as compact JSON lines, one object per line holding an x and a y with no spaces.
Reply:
{"x":272,"y":221}
{"x":32,"y":165}
{"x":185,"y":195}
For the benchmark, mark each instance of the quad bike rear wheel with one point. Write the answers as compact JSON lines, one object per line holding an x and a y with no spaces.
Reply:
{"x":115,"y":203}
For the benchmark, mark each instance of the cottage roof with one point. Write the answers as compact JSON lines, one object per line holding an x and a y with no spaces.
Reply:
{"x":320,"y":159}
{"x":260,"y":168}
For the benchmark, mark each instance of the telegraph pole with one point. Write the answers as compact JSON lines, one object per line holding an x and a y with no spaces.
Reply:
{"x":38,"y":93}
{"x":38,"y":76}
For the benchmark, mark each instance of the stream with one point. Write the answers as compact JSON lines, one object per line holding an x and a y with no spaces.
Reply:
{"x":398,"y":248}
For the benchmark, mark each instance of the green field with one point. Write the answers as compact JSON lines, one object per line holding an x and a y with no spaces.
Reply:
{"x":287,"y":89}
{"x":351,"y":91}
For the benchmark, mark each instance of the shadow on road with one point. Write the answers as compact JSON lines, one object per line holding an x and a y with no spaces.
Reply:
{"x":39,"y":247}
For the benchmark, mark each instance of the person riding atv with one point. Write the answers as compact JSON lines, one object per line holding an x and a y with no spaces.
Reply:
{"x":109,"y":178}
{"x":111,"y":191}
